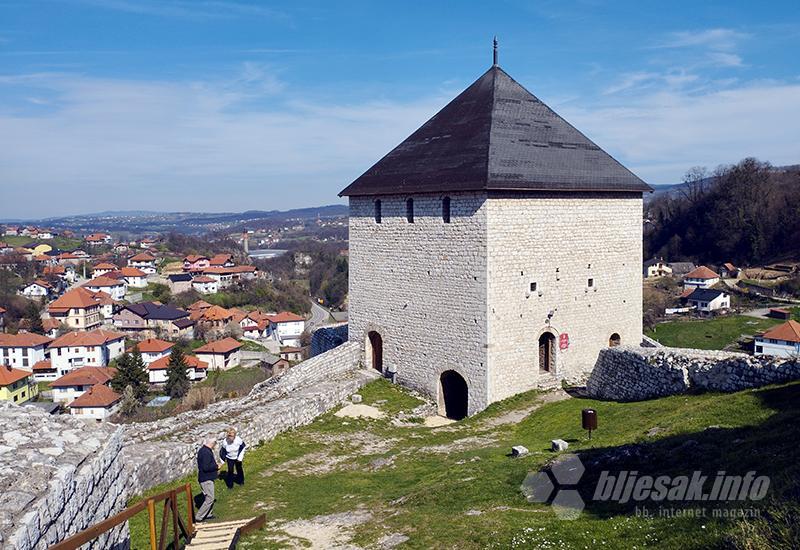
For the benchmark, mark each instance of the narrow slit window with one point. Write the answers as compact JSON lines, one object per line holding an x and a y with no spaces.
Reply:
{"x":446,"y":210}
{"x":410,"y":210}
{"x":590,"y":283}
{"x":378,"y":211}
{"x":533,"y":287}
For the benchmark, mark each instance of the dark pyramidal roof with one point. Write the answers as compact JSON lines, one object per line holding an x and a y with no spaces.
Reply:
{"x":495,"y":135}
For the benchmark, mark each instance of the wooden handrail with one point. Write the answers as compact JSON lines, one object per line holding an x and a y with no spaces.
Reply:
{"x":170,"y":505}
{"x":256,"y":523}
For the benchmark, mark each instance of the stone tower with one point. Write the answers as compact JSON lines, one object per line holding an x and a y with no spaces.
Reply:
{"x":495,"y":250}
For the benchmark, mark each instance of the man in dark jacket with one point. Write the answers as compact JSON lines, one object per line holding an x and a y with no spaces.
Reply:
{"x":207,"y":469}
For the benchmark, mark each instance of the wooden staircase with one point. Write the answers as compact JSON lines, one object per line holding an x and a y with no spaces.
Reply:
{"x":223,"y":535}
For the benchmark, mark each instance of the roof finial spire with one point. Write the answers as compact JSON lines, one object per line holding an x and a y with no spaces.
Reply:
{"x":494,"y":52}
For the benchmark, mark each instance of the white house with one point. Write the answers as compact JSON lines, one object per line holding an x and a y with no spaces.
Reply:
{"x":72,"y":385}
{"x":37,"y":289}
{"x":103,"y":268}
{"x":780,"y":341}
{"x":223,"y":275}
{"x":153,"y":349}
{"x":656,"y":268}
{"x":205,"y":285}
{"x":79,"y":349}
{"x":195,"y":368}
{"x":701,"y":277}
{"x":113,"y":287}
{"x":22,"y":351}
{"x":707,"y":300}
{"x":286,"y":328}
{"x":220,"y":354}
{"x":134,"y":277}
{"x":97,"y":403}
{"x":144,"y":261}
{"x":43,"y":371}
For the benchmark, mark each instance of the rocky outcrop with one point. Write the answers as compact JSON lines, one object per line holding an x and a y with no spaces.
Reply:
{"x":636,"y":373}
{"x":165,"y":450}
{"x":58,"y":476}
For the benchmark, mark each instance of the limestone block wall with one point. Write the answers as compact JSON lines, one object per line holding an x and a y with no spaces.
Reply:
{"x":422,"y":287}
{"x":59,"y":475}
{"x":165,"y":450}
{"x":559,"y":242}
{"x":636,"y":373}
{"x":327,"y":338}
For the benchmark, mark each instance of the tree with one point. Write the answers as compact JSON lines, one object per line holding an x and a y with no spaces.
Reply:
{"x":34,"y":319}
{"x":129,"y":403}
{"x":131,"y":372}
{"x":177,"y":376}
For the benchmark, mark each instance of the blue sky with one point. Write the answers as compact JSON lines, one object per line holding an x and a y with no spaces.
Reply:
{"x":226,"y":105}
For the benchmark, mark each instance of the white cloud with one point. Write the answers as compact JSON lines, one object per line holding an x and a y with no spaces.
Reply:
{"x":717,"y":39}
{"x":724,"y":59}
{"x":187,"y":8}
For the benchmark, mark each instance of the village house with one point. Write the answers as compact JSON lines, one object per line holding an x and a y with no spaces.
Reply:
{"x":222,"y":275}
{"x":220,"y":354}
{"x":148,"y":243}
{"x":23,"y":350}
{"x":707,"y":300}
{"x":496,"y":250}
{"x":780,"y":341}
{"x":222,"y":260}
{"x":179,"y":282}
{"x":728,"y":271}
{"x":701,"y":277}
{"x":656,"y":267}
{"x":51,"y":326}
{"x":120,"y":248}
{"x":44,"y":371}
{"x":255,"y":325}
{"x":37,"y":289}
{"x":195,"y":368}
{"x":286,"y":327}
{"x":293,"y":354}
{"x":205,"y":285}
{"x":679,"y":269}
{"x":144,"y":261}
{"x":103,"y":268}
{"x":113,"y":287}
{"x":79,"y":349}
{"x":76,"y":309}
{"x":97,"y":403}
{"x":153,"y":320}
{"x":64,"y":272}
{"x":213,"y":318}
{"x":275,"y":366}
{"x":73,"y":384}
{"x":108,"y":305}
{"x":153,"y":349}
{"x":196,"y":263}
{"x":17,"y":386}
{"x":97,"y":239}
{"x":134,"y":277}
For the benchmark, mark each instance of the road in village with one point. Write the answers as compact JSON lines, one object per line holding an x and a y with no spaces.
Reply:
{"x":319,"y":316}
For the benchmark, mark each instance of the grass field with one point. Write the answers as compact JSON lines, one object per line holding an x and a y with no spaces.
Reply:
{"x":238,"y":380}
{"x":249,"y":345}
{"x":55,"y":242}
{"x":344,"y":481}
{"x":708,"y":334}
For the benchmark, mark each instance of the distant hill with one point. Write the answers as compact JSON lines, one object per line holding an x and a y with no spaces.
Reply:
{"x":142,"y":221}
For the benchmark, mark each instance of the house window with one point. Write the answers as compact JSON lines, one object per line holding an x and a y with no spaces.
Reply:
{"x":590,"y":283}
{"x":378,"y":211}
{"x":759,"y":349}
{"x":446,"y":210}
{"x":410,"y":210}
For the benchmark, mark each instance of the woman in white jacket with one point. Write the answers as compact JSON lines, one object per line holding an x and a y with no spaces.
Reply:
{"x":232,"y":452}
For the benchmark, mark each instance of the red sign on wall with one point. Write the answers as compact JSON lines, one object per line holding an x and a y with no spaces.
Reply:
{"x":563,"y":341}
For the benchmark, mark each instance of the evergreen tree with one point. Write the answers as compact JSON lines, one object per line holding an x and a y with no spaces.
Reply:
{"x":34,"y":319}
{"x":131,"y":371}
{"x":177,"y":375}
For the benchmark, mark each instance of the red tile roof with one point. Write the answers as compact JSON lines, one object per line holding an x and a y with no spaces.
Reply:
{"x":199,"y":304}
{"x":192,"y":258}
{"x":103,"y":281}
{"x":788,"y":331}
{"x":221,"y":259}
{"x":98,"y":395}
{"x":191,"y":361}
{"x":285,"y":317}
{"x":10,"y":375}
{"x":77,"y":298}
{"x":701,"y":272}
{"x":142,"y":257}
{"x":154,"y":345}
{"x":23,"y":340}
{"x":203,"y":279}
{"x":96,"y":337}
{"x":105,"y":265}
{"x":44,"y":365}
{"x":85,"y":376}
{"x":216,"y":313}
{"x":220,"y":346}
{"x":132,"y":272}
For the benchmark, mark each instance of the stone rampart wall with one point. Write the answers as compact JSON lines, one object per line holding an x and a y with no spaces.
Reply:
{"x":327,"y":338}
{"x":636,"y":373}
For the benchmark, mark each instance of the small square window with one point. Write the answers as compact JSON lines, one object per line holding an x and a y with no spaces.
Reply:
{"x":533,"y":287}
{"x":590,"y":283}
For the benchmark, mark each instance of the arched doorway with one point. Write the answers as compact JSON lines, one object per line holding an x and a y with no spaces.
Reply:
{"x":375,"y":351}
{"x":547,"y":352}
{"x":614,"y":340}
{"x":454,"y":395}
